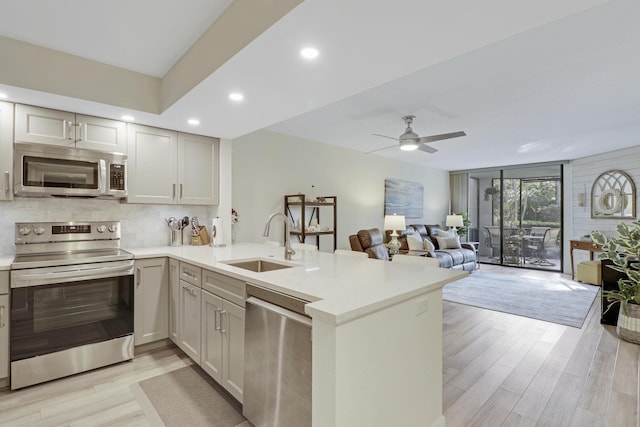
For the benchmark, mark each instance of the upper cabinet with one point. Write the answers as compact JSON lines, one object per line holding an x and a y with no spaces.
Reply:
{"x":44,"y":126}
{"x":168,"y":167}
{"x":198,"y":169}
{"x":6,"y":150}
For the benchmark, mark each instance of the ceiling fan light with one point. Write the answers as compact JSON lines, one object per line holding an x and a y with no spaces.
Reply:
{"x":408,"y":144}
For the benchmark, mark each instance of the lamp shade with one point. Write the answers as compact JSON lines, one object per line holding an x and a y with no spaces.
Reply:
{"x":394,"y":222}
{"x":454,"y":221}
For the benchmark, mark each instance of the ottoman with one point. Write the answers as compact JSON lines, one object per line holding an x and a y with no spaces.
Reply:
{"x":589,"y":272}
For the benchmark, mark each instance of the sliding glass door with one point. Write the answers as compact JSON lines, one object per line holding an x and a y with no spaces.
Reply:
{"x":519,"y":216}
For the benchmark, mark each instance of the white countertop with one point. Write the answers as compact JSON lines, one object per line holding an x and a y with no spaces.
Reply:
{"x":5,"y":262}
{"x":341,"y":288}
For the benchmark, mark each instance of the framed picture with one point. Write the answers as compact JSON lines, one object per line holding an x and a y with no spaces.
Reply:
{"x":403,"y":198}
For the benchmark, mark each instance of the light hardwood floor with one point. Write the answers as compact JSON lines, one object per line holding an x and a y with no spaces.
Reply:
{"x":499,"y":370}
{"x":505,"y":370}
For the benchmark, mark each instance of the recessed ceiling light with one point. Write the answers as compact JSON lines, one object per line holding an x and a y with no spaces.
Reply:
{"x":236,"y":96}
{"x":309,"y":53}
{"x":193,"y":122}
{"x":128,"y":118}
{"x":4,"y":96}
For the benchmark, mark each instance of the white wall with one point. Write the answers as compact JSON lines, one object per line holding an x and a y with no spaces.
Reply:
{"x":584,"y":173}
{"x":268,"y":165}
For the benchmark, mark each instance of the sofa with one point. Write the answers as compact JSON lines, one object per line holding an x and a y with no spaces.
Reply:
{"x":456,"y":255}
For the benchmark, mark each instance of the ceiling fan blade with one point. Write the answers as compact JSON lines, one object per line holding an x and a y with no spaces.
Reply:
{"x":380,"y":149}
{"x":427,"y":148}
{"x":385,"y":136}
{"x":440,"y":137}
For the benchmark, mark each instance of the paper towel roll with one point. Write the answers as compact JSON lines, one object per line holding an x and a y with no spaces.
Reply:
{"x":217,"y":232}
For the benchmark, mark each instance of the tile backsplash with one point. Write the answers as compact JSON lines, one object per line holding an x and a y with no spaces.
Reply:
{"x":142,"y":225}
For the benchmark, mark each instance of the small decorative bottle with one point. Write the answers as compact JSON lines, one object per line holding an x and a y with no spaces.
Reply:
{"x":312,"y":195}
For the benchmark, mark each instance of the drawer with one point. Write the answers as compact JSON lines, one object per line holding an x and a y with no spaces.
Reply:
{"x":225,"y":287}
{"x":4,"y":282}
{"x":191,"y":274}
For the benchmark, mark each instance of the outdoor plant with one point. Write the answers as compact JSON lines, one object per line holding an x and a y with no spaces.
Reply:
{"x":624,"y":251}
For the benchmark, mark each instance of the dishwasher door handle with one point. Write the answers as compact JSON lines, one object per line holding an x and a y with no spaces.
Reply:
{"x":281,"y":311}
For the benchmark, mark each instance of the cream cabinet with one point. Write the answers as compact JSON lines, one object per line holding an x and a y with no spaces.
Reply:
{"x":6,"y":150}
{"x":174,"y":299}
{"x":4,"y":324}
{"x":189,"y":311}
{"x":222,"y":352}
{"x":45,"y":126}
{"x":168,"y":167}
{"x":151,"y":300}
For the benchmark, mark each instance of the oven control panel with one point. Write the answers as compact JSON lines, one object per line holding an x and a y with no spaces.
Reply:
{"x":49,"y":232}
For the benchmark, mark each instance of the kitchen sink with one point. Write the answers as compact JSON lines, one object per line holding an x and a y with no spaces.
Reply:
{"x":258,"y":265}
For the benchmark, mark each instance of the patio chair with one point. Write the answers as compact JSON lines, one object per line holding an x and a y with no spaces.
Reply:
{"x":539,"y":239}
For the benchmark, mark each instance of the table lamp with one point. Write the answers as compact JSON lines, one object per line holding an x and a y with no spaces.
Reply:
{"x":394,"y":222}
{"x":454,"y":221}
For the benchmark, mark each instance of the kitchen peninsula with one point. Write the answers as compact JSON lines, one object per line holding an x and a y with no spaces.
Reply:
{"x":376,"y":329}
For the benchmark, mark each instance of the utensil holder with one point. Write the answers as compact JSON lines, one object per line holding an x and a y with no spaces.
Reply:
{"x":175,"y":238}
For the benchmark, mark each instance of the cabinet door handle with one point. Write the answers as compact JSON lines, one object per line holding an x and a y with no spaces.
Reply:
{"x":222,"y":316}
{"x":1,"y":316}
{"x":216,"y":320}
{"x":138,"y":274}
{"x":7,"y":183}
{"x":181,"y":191}
{"x":174,"y":191}
{"x":69,"y":127}
{"x":80,"y":126}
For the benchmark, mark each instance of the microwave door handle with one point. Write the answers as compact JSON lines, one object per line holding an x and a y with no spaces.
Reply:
{"x":102,"y":176}
{"x":80,"y":127}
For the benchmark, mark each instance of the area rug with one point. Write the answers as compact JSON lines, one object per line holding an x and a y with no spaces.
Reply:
{"x":188,"y":397}
{"x":558,"y":301}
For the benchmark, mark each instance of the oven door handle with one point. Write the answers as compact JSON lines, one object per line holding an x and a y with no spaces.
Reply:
{"x":74,"y":273}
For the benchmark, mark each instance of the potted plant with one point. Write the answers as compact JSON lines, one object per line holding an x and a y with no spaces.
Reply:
{"x":624,"y":251}
{"x":490,"y":192}
{"x":464,"y":230}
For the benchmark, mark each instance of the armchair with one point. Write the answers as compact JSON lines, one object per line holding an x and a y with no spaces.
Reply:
{"x":371,"y":242}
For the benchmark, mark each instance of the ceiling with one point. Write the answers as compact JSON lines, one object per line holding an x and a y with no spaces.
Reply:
{"x":528,"y":82}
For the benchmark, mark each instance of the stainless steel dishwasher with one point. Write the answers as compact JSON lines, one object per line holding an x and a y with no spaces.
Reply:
{"x":277,"y":360}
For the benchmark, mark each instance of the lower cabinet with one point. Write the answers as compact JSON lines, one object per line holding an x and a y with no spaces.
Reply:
{"x":4,"y":336}
{"x":174,"y":300}
{"x":151,"y":300}
{"x":4,"y":324}
{"x":223,"y":342}
{"x":189,"y":324}
{"x":206,"y":320}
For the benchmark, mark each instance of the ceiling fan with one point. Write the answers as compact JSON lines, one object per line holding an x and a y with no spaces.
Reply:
{"x":410,"y":140}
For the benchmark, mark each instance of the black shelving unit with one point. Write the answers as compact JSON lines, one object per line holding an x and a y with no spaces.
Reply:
{"x":308,"y":211}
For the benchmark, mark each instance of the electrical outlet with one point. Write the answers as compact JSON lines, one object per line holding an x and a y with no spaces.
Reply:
{"x":422,"y":306}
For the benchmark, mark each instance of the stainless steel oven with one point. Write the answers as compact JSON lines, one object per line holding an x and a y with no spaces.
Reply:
{"x":71,"y":300}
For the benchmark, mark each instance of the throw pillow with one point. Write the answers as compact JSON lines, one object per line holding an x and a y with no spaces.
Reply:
{"x":414,"y":242}
{"x":446,"y":234}
{"x":449,"y":242}
{"x":428,"y":245}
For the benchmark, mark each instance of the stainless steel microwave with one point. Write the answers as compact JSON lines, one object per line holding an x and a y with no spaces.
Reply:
{"x":48,"y":170}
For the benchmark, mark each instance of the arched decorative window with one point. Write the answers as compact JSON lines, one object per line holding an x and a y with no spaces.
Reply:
{"x":613,"y":195}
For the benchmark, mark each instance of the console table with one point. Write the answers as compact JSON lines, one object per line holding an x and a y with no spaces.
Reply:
{"x":584,"y":245}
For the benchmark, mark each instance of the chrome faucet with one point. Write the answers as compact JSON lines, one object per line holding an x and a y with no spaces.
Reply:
{"x":287,"y":243}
